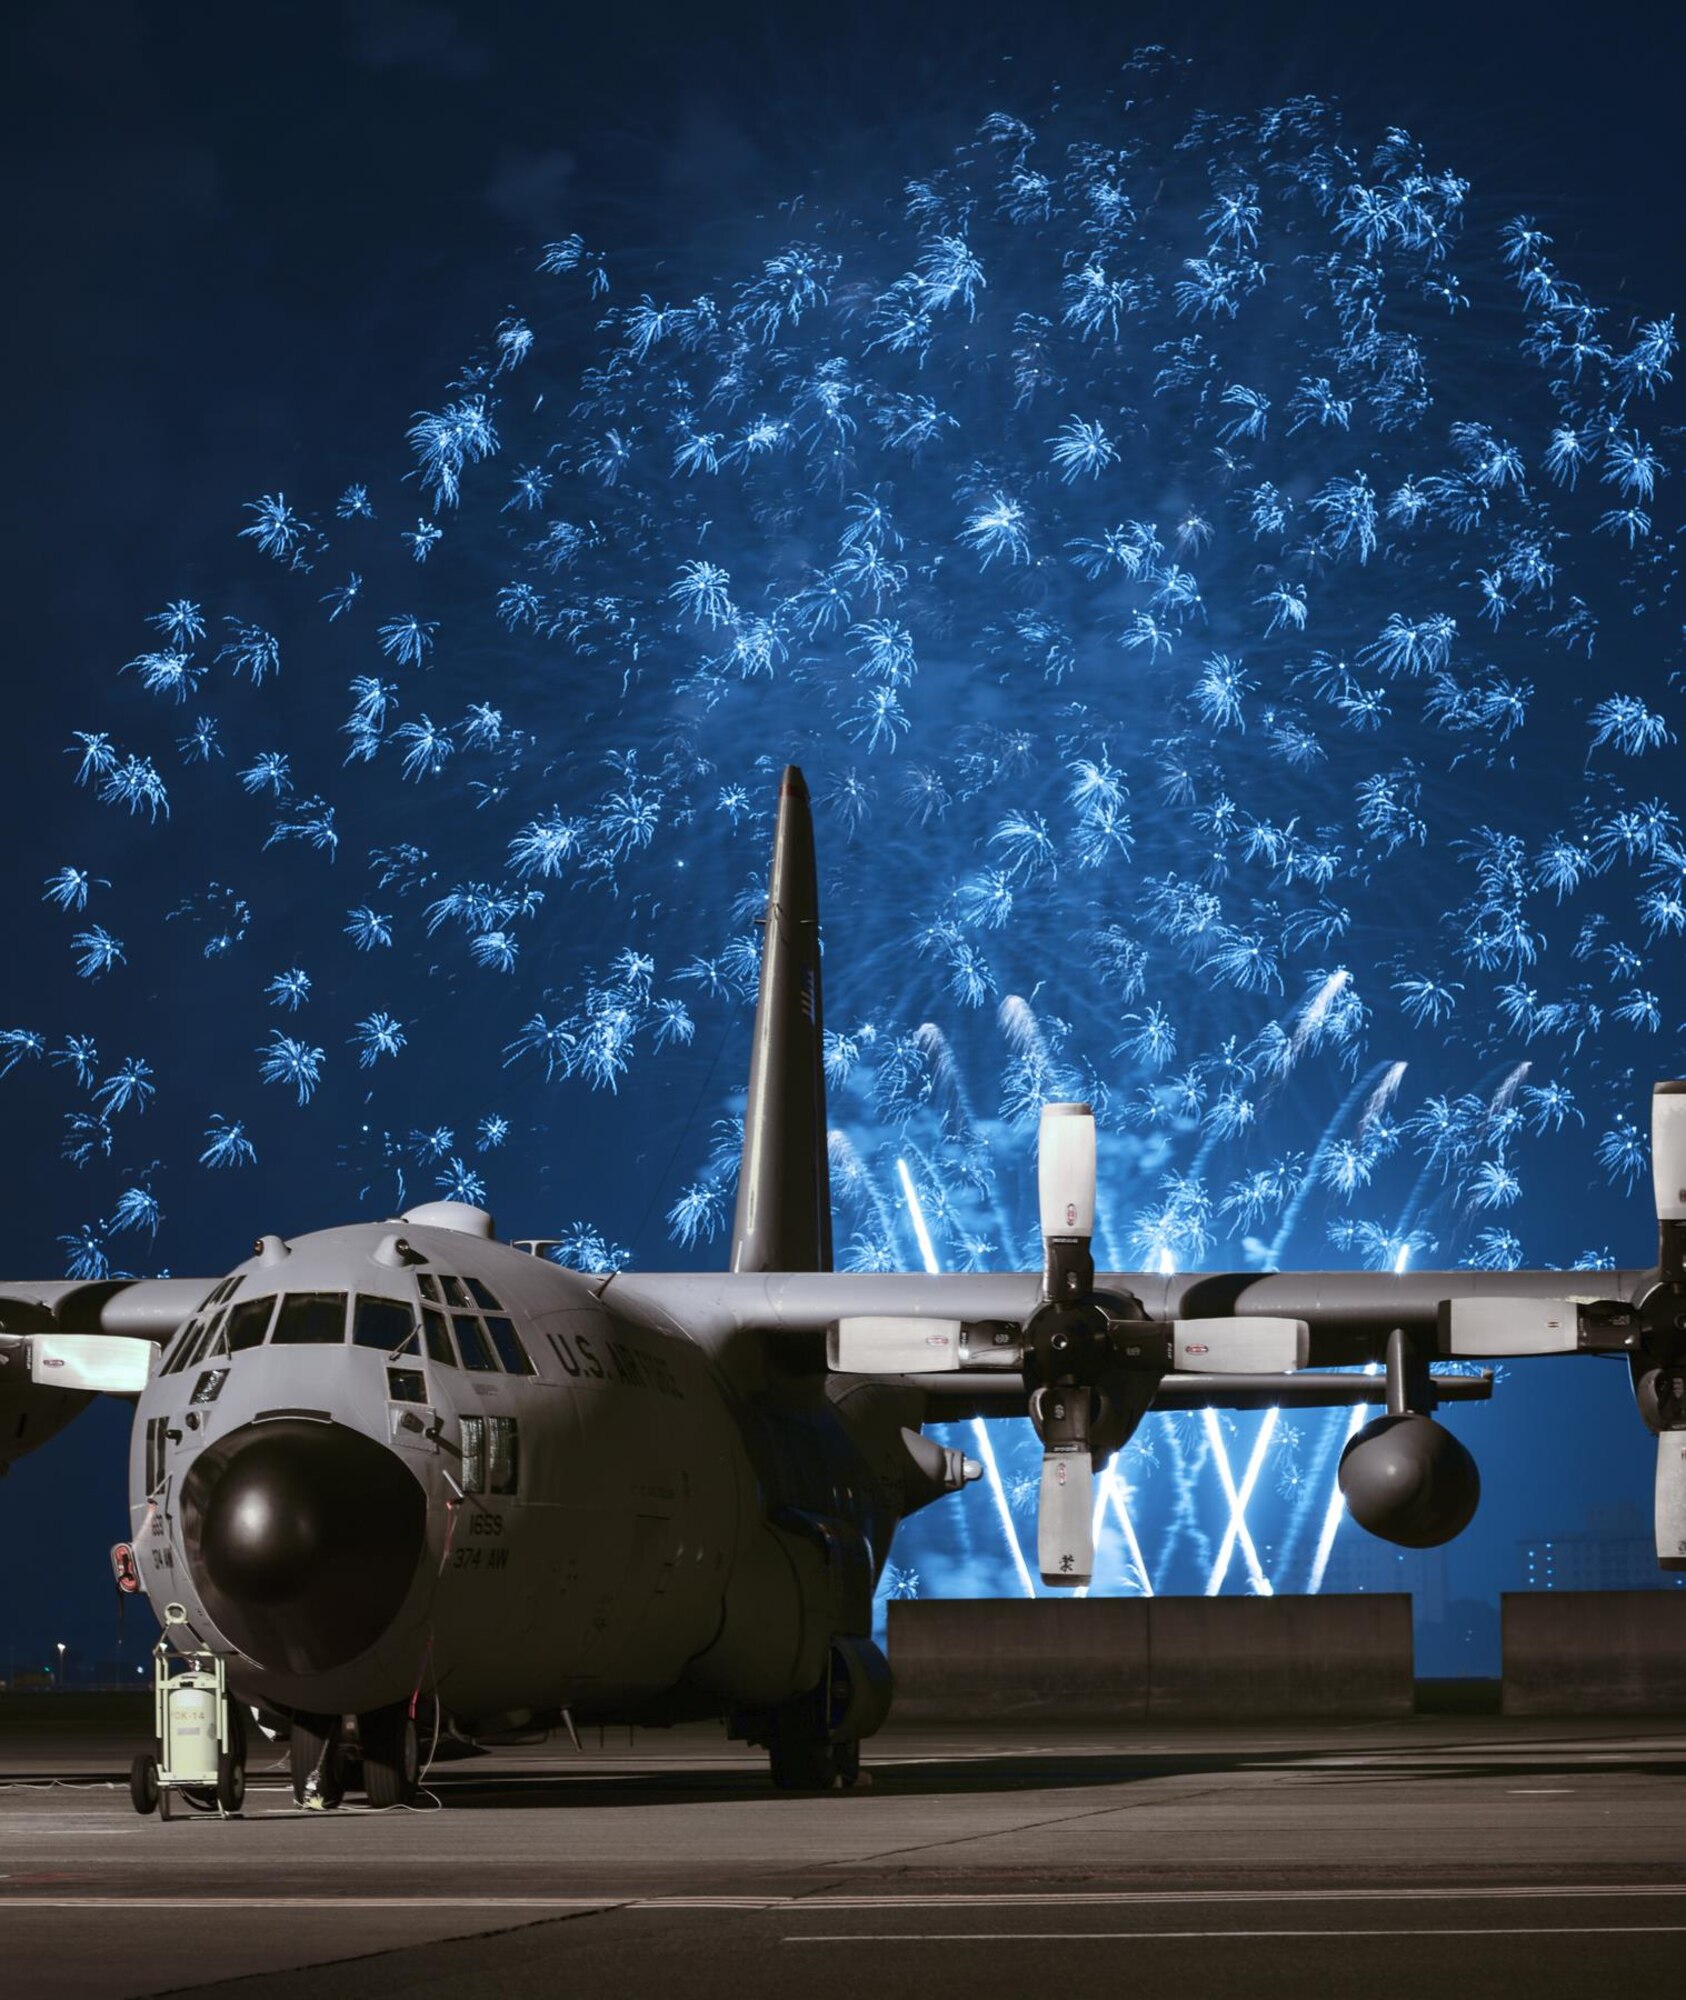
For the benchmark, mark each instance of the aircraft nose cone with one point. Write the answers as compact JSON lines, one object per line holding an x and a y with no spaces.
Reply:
{"x":303,"y":1539}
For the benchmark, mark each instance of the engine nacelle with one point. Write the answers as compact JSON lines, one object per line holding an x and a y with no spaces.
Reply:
{"x":1408,"y":1480}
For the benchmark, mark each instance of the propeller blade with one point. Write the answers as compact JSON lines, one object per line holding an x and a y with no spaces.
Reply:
{"x":1065,"y":1180}
{"x":1065,"y":1542}
{"x":1497,"y":1327}
{"x":1671,"y":1500}
{"x":1239,"y":1346}
{"x":882,"y":1344}
{"x":1668,"y":1150}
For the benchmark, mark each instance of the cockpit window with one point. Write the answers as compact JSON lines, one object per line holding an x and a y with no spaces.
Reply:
{"x":438,"y":1340}
{"x":483,"y":1295}
{"x":248,"y":1322}
{"x":508,"y":1343}
{"x":472,"y":1343}
{"x":209,"y":1342}
{"x":310,"y":1319}
{"x":221,"y":1292}
{"x":178,"y":1353}
{"x":429,"y":1290}
{"x":382,"y":1323}
{"x":456,"y":1292}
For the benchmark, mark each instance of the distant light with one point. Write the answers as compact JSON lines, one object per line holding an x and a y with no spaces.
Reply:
{"x":1402,"y":1259}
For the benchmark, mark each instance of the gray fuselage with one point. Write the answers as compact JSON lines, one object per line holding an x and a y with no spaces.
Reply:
{"x":613,"y":1519}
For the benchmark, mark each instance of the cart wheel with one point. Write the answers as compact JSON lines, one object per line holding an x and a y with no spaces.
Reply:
{"x":231,"y":1766}
{"x":391,"y":1755}
{"x":231,"y":1781}
{"x":163,"y":1801}
{"x":143,"y":1783}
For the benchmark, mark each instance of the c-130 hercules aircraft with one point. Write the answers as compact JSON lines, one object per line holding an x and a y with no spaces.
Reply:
{"x":402,"y":1469}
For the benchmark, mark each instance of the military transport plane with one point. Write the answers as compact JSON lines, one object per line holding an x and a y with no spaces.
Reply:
{"x":401,"y":1469}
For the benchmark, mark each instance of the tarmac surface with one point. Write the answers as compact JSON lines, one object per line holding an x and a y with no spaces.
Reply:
{"x":1461,"y":1854}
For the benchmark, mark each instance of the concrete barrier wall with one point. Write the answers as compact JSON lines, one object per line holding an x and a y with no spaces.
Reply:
{"x":1165,"y":1658}
{"x":971,"y":1659}
{"x":1329,"y":1656}
{"x":1584,"y":1652}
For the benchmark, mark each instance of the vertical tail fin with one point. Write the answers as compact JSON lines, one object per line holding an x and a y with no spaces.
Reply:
{"x":784,"y":1181}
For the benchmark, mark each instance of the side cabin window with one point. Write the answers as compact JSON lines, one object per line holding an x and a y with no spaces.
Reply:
{"x":503,"y":1455}
{"x":491,"y":1455}
{"x":473,"y":1431}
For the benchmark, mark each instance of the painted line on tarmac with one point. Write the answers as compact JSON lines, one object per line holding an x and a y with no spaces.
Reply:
{"x":1208,"y":1937}
{"x":826,"y":1905}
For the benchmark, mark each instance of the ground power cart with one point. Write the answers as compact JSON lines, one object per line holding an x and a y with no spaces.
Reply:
{"x":201,"y":1748}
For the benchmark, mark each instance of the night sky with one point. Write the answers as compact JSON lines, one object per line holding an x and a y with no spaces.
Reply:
{"x":247,"y":243}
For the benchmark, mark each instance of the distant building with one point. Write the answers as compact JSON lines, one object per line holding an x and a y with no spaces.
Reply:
{"x":1614,"y":1551}
{"x":1361,"y":1562}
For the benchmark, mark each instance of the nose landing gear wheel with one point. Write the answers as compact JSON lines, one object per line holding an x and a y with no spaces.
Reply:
{"x":314,"y":1751}
{"x":391,"y":1755}
{"x":802,"y":1762}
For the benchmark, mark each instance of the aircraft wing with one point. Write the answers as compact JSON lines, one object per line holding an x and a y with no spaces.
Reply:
{"x":1084,"y":1354}
{"x":1348,"y":1315}
{"x":135,"y":1308}
{"x":63,"y":1341}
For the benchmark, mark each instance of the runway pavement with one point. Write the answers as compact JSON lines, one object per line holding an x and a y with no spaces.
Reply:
{"x":1465,"y":1855}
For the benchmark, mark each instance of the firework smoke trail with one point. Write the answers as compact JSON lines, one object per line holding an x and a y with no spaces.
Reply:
{"x":1184,"y":1516}
{"x":1332,"y":1433}
{"x":948,"y":1075}
{"x":1114,"y":1490}
{"x":1238,"y":1499}
{"x":980,"y":1429}
{"x":1110,"y":1492}
{"x":1367,"y":1084}
{"x":927,"y":1251}
{"x":1382,"y":1096}
{"x":1334,"y":1511}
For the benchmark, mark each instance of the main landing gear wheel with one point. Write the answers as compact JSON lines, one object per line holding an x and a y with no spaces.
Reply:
{"x":802,"y":1763}
{"x":391,"y":1755}
{"x":314,"y":1750}
{"x":143,"y":1783}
